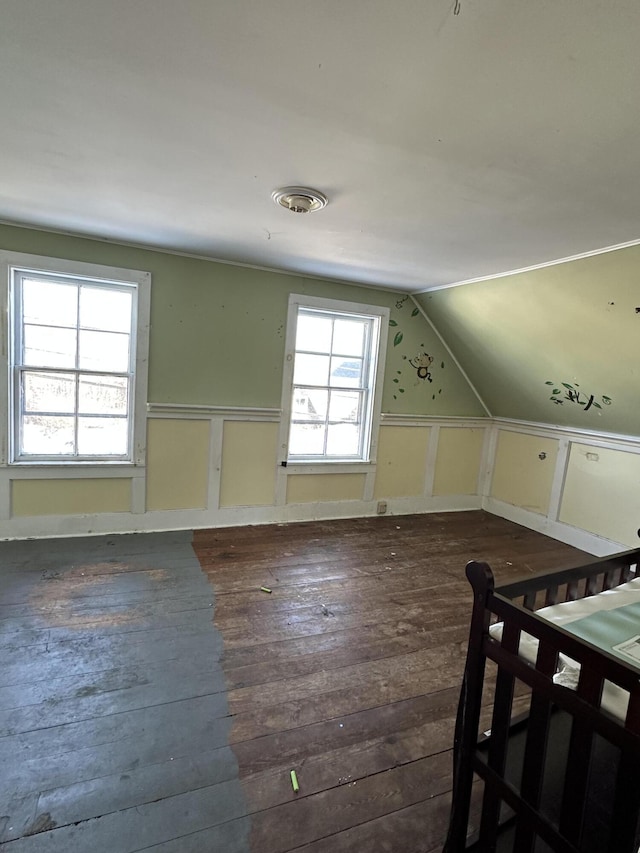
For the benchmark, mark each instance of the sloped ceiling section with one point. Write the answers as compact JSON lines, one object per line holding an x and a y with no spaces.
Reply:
{"x":556,"y":345}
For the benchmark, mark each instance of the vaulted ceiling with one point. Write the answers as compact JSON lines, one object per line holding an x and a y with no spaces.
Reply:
{"x":453,"y":139}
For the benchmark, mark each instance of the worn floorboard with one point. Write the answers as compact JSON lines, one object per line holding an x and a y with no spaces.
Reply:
{"x":152,"y":702}
{"x":114,"y":722}
{"x":349,"y":671}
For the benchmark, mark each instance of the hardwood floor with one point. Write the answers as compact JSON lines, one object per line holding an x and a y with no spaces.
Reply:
{"x":146,"y":704}
{"x":348,"y":672}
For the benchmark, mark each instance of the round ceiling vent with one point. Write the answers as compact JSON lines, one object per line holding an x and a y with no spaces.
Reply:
{"x":299,"y":199}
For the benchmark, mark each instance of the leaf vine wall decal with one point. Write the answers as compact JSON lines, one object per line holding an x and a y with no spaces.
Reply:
{"x":572,"y":393}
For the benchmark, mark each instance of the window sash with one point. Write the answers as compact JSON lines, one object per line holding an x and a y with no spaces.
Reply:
{"x":364,"y":391}
{"x":20,"y":368}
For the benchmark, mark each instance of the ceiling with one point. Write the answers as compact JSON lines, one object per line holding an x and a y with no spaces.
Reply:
{"x":451,"y":146}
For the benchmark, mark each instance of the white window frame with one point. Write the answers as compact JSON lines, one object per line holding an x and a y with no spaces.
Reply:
{"x":342,"y":308}
{"x":138,"y":281}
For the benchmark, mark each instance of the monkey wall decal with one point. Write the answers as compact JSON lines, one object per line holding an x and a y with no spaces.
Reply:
{"x":421,"y":364}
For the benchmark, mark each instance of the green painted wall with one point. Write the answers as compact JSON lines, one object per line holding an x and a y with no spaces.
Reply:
{"x":575,"y":325}
{"x":421,"y":376}
{"x":217,"y":331}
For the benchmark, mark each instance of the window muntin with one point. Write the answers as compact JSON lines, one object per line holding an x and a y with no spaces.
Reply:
{"x":73,"y":367}
{"x":334,"y":377}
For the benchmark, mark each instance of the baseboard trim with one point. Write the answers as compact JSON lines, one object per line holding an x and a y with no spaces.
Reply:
{"x":49,"y":527}
{"x":582,"y":539}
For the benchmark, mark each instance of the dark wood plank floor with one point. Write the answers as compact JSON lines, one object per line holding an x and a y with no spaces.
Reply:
{"x":146,"y":704}
{"x":349,"y":671}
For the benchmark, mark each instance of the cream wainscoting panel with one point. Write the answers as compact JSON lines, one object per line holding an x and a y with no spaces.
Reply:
{"x":248,"y":476}
{"x":177,"y":463}
{"x":520,"y":476}
{"x":70,"y":497}
{"x":458,"y":461}
{"x":402,"y":461}
{"x":308,"y":488}
{"x":601,"y":493}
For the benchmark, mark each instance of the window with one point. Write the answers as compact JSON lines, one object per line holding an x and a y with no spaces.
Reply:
{"x":332,"y":384}
{"x":77,"y":353}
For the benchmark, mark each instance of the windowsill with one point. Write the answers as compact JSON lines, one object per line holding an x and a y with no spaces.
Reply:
{"x":42,"y":470}
{"x":329,"y":467}
{"x":66,"y":463}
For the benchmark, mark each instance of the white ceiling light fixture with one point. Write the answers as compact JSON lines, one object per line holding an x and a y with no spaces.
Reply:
{"x":300,"y":199}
